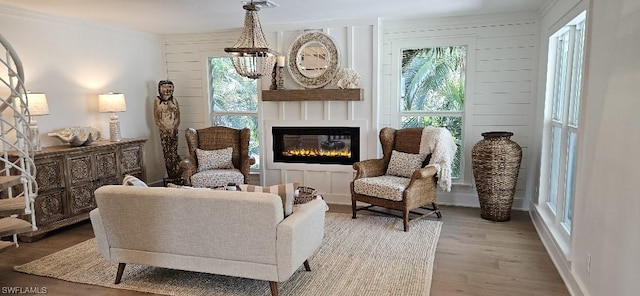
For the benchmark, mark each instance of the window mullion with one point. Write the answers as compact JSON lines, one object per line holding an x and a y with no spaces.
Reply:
{"x":233,"y":113}
{"x":562,"y":173}
{"x":431,"y":113}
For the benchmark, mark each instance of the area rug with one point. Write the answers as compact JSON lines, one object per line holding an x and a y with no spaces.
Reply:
{"x":370,"y":255}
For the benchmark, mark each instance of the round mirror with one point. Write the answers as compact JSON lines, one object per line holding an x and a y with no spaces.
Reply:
{"x":313,"y":60}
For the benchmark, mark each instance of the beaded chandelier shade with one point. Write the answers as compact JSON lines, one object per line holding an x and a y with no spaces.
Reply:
{"x":251,"y":55}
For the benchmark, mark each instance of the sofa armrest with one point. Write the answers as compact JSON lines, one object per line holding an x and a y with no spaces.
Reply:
{"x":100,"y":233}
{"x":369,"y":168}
{"x":298,"y":236}
{"x":188,"y":165}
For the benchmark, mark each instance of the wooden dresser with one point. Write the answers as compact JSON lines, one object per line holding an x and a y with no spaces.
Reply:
{"x":67,"y":177}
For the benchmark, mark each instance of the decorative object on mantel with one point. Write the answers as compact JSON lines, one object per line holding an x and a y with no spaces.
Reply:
{"x":112,"y":103}
{"x":166,"y":113}
{"x":313,"y":59}
{"x":277,"y":77}
{"x":320,"y":94}
{"x":77,"y":136}
{"x":496,"y":162}
{"x":280,"y":72}
{"x":251,"y":55}
{"x":346,"y":78}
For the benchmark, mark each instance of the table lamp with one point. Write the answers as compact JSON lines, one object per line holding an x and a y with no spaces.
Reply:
{"x":112,"y":103}
{"x":37,"y":105}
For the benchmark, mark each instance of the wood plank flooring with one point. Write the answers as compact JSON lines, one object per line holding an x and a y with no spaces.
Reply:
{"x":473,"y":257}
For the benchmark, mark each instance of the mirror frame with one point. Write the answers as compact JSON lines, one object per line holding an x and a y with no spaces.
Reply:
{"x":295,"y":51}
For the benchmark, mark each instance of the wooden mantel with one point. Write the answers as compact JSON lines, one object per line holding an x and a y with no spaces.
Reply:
{"x":320,"y":94}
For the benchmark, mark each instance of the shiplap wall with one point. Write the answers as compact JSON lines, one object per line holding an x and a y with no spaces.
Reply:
{"x":186,"y":57}
{"x":501,"y":84}
{"x":186,"y":66}
{"x":501,"y":89}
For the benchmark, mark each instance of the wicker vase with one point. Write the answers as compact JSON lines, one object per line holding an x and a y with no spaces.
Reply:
{"x":496,"y":162}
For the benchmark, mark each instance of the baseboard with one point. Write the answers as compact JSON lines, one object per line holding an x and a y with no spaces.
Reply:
{"x":575,"y":287}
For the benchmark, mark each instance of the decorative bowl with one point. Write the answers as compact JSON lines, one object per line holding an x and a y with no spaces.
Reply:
{"x":77,"y":136}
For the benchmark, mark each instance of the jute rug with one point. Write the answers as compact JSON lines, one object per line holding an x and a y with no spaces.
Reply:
{"x":370,"y":255}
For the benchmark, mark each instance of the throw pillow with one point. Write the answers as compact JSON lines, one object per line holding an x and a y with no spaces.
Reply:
{"x":404,"y":164}
{"x":285,"y":191}
{"x":214,"y":159}
{"x":130,"y":180}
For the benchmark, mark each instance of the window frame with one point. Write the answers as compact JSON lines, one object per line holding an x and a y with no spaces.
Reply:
{"x":469,"y":41}
{"x":213,"y":113}
{"x":554,"y":218}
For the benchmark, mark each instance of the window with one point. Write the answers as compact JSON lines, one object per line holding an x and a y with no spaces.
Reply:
{"x":564,"y":81}
{"x":234,"y":101}
{"x":432,"y":91}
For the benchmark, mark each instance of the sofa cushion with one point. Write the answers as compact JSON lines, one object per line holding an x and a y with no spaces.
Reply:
{"x":285,"y":191}
{"x":130,"y":180}
{"x":404,"y":164}
{"x":387,"y":187}
{"x":214,"y":159}
{"x":215,"y":178}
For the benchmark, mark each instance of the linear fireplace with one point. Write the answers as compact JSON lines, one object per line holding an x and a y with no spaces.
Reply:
{"x":323,"y":145}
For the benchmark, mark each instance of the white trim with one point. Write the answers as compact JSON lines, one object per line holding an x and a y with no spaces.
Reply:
{"x":553,"y":218}
{"x":268,"y":142}
{"x":573,"y":284}
{"x":470,"y":41}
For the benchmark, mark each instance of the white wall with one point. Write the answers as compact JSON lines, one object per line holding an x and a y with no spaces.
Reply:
{"x":606,"y":202}
{"x":607,"y":205}
{"x":501,"y":80}
{"x":72,"y":62}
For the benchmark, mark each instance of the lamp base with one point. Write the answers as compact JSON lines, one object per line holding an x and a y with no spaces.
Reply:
{"x":114,"y":129}
{"x":34,"y":136}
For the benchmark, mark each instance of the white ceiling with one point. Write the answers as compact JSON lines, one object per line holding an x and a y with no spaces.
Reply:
{"x":200,"y":16}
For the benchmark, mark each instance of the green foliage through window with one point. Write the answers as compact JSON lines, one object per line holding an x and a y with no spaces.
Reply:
{"x":234,"y":101}
{"x":432,"y":91}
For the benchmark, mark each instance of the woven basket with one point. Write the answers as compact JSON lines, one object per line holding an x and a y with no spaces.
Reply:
{"x":496,"y":162}
{"x":305,"y":195}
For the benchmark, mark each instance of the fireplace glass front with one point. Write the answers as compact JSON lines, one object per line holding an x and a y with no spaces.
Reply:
{"x":323,"y":145}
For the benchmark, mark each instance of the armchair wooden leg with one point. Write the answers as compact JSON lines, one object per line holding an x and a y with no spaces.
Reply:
{"x":274,"y":288}
{"x":119,"y":273}
{"x":405,"y":218}
{"x":353,"y":209}
{"x":436,"y":209}
{"x":306,"y":265}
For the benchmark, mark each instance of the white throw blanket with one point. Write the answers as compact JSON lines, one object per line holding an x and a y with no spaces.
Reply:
{"x":440,"y":144}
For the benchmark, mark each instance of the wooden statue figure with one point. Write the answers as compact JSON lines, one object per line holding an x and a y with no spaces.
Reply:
{"x":166,"y":112}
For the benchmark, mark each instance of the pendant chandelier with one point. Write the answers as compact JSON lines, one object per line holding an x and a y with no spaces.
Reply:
{"x":251,"y":55}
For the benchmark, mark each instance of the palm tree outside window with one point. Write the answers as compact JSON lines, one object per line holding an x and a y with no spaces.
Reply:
{"x":432,"y":92}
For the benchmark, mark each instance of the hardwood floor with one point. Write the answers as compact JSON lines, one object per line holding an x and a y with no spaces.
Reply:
{"x":473,"y":257}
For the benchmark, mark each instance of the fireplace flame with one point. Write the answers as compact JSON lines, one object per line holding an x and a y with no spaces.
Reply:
{"x":316,"y":152}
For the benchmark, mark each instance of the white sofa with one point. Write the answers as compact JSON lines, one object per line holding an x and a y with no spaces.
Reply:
{"x":242,"y":234}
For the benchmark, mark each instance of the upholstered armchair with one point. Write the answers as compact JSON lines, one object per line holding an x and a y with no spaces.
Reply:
{"x":411,"y":186}
{"x":210,"y":163}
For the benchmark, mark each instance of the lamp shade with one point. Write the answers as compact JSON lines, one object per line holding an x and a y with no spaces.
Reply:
{"x":38,"y":104}
{"x":111,"y":103}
